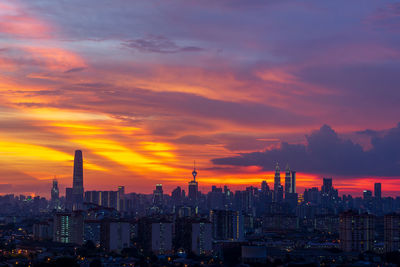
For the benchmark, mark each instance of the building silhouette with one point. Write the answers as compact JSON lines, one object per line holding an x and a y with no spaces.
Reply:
{"x":293,"y":182}
{"x":392,"y":232}
{"x":193,"y":189}
{"x":158,"y":195}
{"x":378,"y":190}
{"x":356,"y":231}
{"x":278,"y":188}
{"x":68,"y":198}
{"x":288,"y":180}
{"x":77,"y":184}
{"x":226,"y":224}
{"x":68,"y":227}
{"x":55,"y":196}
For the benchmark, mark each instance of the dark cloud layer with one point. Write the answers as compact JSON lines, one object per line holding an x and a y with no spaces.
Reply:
{"x":159,"y":44}
{"x":326,"y":153}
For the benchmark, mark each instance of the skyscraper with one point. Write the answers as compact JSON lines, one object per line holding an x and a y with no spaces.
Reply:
{"x":158,"y":195}
{"x":277,"y":179}
{"x":55,"y":195}
{"x":68,"y":198}
{"x":288,"y":180}
{"x":392,"y":232}
{"x":264,"y":186}
{"x":327,"y":186}
{"x":293,"y":183}
{"x":77,"y":185}
{"x":278,"y":190}
{"x":378,"y":190}
{"x":176,"y":196}
{"x":329,"y":195}
{"x":121,"y":198}
{"x":368,"y":201}
{"x":68,"y":227}
{"x":356,"y":231}
{"x":227,"y":224}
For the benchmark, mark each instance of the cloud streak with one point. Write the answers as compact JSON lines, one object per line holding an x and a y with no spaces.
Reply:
{"x":159,"y":44}
{"x":161,"y":84}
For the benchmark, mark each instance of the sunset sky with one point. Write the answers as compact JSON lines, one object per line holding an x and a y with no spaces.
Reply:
{"x":144,"y":88}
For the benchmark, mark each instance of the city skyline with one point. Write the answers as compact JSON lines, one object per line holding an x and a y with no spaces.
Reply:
{"x":146,"y":88}
{"x":281,"y":191}
{"x":199,"y":133}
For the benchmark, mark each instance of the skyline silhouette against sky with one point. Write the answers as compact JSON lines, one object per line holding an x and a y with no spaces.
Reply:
{"x":144,"y":88}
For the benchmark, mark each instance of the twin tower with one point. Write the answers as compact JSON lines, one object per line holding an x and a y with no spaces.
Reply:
{"x":290,"y":180}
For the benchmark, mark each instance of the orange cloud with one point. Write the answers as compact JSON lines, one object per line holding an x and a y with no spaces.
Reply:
{"x":55,"y":58}
{"x":16,"y":22}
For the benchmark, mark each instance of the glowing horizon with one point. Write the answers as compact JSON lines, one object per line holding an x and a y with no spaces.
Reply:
{"x":144,"y":89}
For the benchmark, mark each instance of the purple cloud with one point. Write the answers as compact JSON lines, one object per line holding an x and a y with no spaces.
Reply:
{"x":326,"y":153}
{"x":159,"y":44}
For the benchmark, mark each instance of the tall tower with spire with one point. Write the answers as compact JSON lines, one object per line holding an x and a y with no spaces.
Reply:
{"x":288,"y":180}
{"x":77,"y":184}
{"x":55,"y":195}
{"x":193,"y":186}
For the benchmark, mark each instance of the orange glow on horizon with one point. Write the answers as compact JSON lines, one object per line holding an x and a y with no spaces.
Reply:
{"x":141,"y":118}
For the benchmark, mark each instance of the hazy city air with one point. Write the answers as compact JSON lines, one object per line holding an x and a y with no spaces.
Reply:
{"x":199,"y":133}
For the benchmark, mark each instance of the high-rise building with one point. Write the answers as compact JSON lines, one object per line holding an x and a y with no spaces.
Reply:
{"x":176,"y":196}
{"x":392,"y":232}
{"x":68,"y":227}
{"x":215,"y":198}
{"x":293,"y":183}
{"x":329,"y":195}
{"x":326,"y":186}
{"x":93,"y":197}
{"x":312,"y":195}
{"x":277,"y":178}
{"x":158,"y":195}
{"x":43,"y":230}
{"x":201,"y":238}
{"x":109,"y":199}
{"x":193,"y":234}
{"x":115,"y":235}
{"x":367,"y":194}
{"x":77,"y":186}
{"x":55,"y":196}
{"x":161,"y":238}
{"x":121,"y":191}
{"x":68,"y":198}
{"x":121,"y":198}
{"x":193,"y":188}
{"x":367,"y":198}
{"x":356,"y":231}
{"x":288,"y":180}
{"x":277,"y":184}
{"x":264,"y":186}
{"x":227,"y":224}
{"x":279,"y":194}
{"x":155,"y":235}
{"x":378,"y":190}
{"x":55,"y":193}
